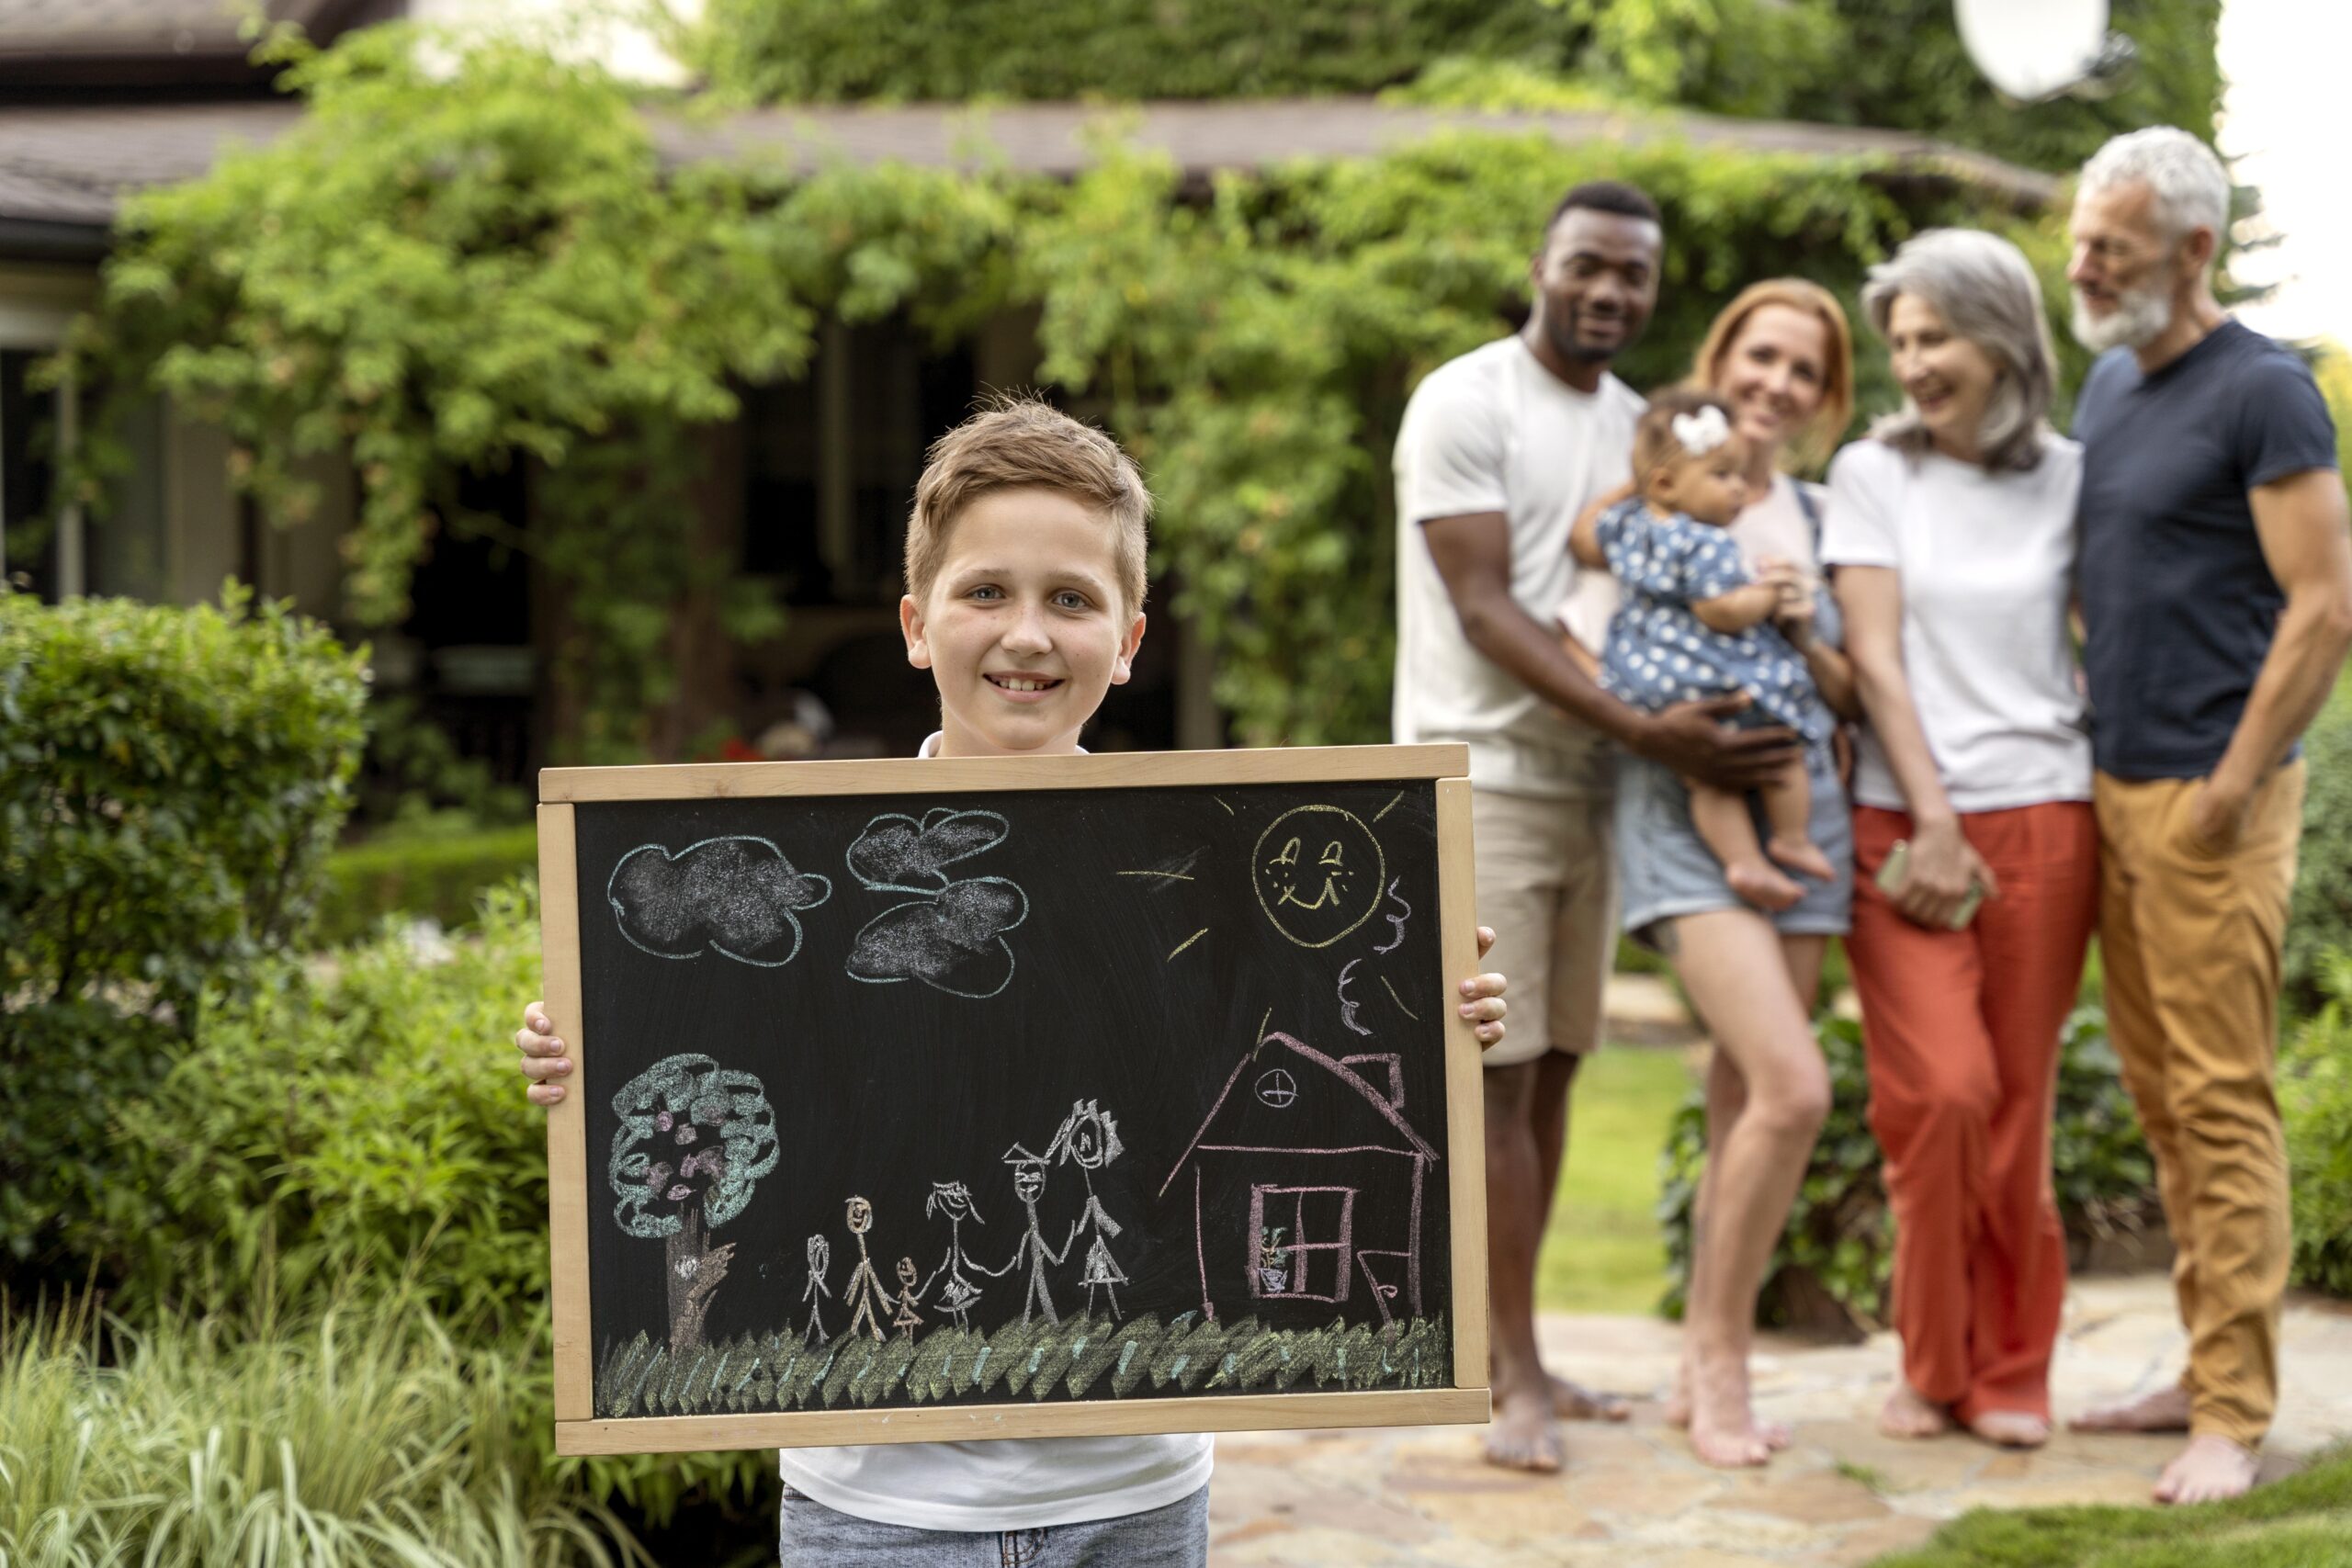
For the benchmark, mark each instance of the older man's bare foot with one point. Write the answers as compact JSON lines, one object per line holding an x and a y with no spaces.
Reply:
{"x":1908,"y":1414}
{"x":2010,"y":1428}
{"x":1574,"y":1402}
{"x":1521,"y":1436}
{"x":1723,"y":1423}
{"x":2207,"y":1471}
{"x":2165,"y":1410}
{"x":1676,"y":1410}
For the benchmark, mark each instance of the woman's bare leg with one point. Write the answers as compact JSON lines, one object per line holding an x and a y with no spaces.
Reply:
{"x":1726,"y":1097}
{"x":1739,"y":980}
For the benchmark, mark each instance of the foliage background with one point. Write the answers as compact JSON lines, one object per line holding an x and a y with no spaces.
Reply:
{"x":446,"y":274}
{"x":1884,"y":62}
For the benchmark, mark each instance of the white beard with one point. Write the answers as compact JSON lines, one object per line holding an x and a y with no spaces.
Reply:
{"x":2139,"y":315}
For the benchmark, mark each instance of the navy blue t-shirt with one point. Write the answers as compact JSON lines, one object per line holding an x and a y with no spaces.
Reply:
{"x":2178,"y":603}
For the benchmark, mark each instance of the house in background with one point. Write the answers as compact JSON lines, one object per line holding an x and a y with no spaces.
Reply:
{"x":807,"y":492}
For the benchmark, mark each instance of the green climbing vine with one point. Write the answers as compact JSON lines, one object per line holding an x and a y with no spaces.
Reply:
{"x":442,"y":274}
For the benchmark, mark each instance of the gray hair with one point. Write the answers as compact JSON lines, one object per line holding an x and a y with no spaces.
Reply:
{"x":2192,"y":188}
{"x":1986,"y":291}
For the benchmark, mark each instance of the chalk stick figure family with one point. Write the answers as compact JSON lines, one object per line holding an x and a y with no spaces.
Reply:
{"x":1088,"y":1138}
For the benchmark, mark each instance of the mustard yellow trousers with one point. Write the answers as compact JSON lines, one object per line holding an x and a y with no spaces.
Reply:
{"x":2190,"y":936}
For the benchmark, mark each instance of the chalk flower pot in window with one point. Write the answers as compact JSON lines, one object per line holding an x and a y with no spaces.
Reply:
{"x":1273,"y":1262}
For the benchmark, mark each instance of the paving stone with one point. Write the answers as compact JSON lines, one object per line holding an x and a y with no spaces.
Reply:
{"x":1635,"y":1495}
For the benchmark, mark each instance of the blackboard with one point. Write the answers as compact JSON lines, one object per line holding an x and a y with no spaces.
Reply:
{"x":945,"y":1099}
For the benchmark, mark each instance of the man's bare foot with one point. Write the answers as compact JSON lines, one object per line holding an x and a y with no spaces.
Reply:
{"x":1907,"y":1414}
{"x":1801,"y":856}
{"x":2209,"y":1470}
{"x":2165,"y":1410}
{"x":1521,"y":1435}
{"x":1574,"y":1402}
{"x":1756,"y":883}
{"x":1779,"y":1434}
{"x":1723,"y":1424}
{"x":2011,"y":1429}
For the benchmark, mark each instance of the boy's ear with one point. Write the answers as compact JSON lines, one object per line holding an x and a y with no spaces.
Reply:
{"x":1123,"y":667}
{"x":910,"y":626}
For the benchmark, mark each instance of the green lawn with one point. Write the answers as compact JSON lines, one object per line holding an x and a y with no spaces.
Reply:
{"x":1604,"y":1252}
{"x":2304,"y":1521}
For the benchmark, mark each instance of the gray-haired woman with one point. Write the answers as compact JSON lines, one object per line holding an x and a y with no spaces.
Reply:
{"x":1952,"y":527}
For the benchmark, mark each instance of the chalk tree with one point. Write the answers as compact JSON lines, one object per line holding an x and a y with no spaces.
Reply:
{"x":695,"y":1139}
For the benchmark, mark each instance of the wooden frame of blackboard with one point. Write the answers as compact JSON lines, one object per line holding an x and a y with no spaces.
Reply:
{"x":578,"y":1431}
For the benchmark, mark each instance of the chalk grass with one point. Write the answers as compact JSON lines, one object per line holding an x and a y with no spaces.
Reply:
{"x":1137,"y":1356}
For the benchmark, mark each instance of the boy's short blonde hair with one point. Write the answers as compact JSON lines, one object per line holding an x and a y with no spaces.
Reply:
{"x":1022,"y":441}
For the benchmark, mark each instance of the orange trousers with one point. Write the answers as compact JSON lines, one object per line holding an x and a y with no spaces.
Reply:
{"x":2190,"y":937}
{"x":1960,"y":1033}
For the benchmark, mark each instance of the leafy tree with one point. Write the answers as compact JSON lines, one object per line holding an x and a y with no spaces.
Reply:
{"x":695,"y":1139}
{"x":1885,"y":62}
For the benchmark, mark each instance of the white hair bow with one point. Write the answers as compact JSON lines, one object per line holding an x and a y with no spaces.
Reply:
{"x":1702,"y":432}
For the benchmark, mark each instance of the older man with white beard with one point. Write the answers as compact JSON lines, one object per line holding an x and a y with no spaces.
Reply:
{"x":2216,"y":587}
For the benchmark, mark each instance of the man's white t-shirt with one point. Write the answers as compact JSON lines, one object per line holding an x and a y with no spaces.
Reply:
{"x":1493,"y":431}
{"x":1010,"y":1483}
{"x":1987,"y":561}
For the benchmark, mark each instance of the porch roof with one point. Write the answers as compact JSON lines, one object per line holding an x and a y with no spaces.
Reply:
{"x":65,"y":167}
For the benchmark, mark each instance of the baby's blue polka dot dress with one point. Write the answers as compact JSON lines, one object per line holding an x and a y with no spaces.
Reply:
{"x":1661,"y":653}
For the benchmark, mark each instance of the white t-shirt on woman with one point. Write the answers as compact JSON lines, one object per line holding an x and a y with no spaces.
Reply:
{"x":1986,"y":562}
{"x":1010,"y":1483}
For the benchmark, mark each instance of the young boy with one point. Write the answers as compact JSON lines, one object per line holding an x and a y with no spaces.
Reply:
{"x":1024,"y":600}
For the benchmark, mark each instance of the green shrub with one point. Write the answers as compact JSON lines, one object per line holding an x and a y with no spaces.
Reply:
{"x":355,"y":1128}
{"x":2315,"y":1099}
{"x":170,"y":780}
{"x":347,"y":1437}
{"x":1840,"y":1242}
{"x":438,"y":874}
{"x":2319,"y":922}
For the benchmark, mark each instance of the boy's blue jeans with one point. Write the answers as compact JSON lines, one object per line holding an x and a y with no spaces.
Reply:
{"x":1176,"y":1536}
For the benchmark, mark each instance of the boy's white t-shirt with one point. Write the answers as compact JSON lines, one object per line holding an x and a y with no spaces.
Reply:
{"x":1012,"y":1483}
{"x":1986,"y":562}
{"x":1493,"y":431}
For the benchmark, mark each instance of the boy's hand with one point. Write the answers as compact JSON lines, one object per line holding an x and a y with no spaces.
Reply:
{"x":1485,"y":1006}
{"x":543,"y":1057}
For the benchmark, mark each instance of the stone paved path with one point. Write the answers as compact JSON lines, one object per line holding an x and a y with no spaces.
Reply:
{"x":1633,"y":1496}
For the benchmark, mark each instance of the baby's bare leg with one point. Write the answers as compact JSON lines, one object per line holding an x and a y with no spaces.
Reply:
{"x":1724,"y":826}
{"x":1788,"y":806}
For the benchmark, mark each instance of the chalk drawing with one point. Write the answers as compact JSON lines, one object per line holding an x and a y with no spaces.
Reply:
{"x":1318,"y":872}
{"x":693,"y":1140}
{"x":897,"y":854}
{"x":864,"y":1292}
{"x":953,"y":942}
{"x":821,"y":1262}
{"x":736,"y":895}
{"x":1029,"y":1185}
{"x":1089,"y":1138}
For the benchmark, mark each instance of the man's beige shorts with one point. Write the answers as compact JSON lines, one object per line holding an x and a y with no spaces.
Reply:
{"x":1547,"y":884}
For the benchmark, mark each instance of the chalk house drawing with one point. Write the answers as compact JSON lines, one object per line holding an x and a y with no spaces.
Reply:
{"x":695,"y":1139}
{"x":951,"y":936}
{"x":1310,"y":1187}
{"x":737,"y":896}
{"x":1319,"y":872}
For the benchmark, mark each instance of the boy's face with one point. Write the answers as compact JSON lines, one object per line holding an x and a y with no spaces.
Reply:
{"x":1024,"y":627}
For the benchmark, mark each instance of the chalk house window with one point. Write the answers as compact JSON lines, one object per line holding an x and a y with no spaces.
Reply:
{"x":1300,"y":1241}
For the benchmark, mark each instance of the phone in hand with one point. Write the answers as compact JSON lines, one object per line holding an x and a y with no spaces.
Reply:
{"x":1897,"y":865}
